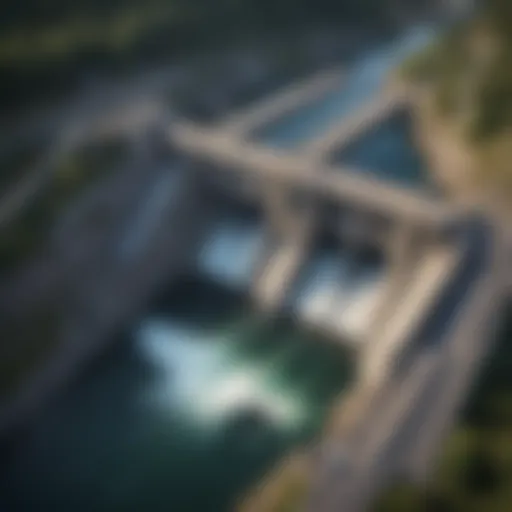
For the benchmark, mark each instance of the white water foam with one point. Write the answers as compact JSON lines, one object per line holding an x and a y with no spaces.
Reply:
{"x":229,"y":254}
{"x":200,"y":378}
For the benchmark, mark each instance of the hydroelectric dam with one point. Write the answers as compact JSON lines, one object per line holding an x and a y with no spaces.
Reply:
{"x":294,"y":258}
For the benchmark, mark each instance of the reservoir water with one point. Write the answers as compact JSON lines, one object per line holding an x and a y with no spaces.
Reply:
{"x":388,"y":153}
{"x":200,"y":396}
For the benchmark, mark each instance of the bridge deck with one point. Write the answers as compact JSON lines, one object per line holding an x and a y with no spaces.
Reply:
{"x":340,"y":183}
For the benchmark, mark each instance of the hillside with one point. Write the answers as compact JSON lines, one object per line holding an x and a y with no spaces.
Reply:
{"x":466,"y":81}
{"x":46,"y":48}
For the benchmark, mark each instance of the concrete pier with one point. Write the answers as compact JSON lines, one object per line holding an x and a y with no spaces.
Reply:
{"x":404,"y":246}
{"x":290,"y":227}
{"x":410,"y":308}
{"x":281,"y":268}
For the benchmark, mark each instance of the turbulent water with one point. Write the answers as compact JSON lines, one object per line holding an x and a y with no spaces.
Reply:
{"x":193,"y":406}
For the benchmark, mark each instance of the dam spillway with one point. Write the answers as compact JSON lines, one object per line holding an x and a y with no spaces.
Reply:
{"x":202,"y":394}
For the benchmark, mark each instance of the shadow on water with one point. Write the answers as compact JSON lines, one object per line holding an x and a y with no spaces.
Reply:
{"x":193,"y":299}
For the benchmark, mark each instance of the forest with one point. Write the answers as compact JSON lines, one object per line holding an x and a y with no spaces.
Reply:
{"x":48,"y":47}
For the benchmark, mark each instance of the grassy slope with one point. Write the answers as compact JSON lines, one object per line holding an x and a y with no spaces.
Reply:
{"x":470,"y":76}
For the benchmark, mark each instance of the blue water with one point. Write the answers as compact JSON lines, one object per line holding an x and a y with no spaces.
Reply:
{"x":229,"y":253}
{"x":364,"y":81}
{"x":388,"y":153}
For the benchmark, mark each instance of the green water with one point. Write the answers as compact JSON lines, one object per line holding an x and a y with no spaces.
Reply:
{"x":188,"y":411}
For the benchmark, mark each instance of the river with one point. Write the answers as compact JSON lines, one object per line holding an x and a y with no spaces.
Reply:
{"x":196,"y":401}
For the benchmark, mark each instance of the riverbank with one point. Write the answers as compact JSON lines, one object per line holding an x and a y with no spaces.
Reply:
{"x":284,"y":489}
{"x":461,"y":89}
{"x":466,"y":172}
{"x":287,"y":487}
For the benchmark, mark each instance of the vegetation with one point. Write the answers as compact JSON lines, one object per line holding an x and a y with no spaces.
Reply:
{"x":15,"y":162}
{"x":469,"y":75}
{"x":21,"y":239}
{"x":29,"y":340}
{"x":284,"y":61}
{"x":475,"y":472}
{"x":46,"y":48}
{"x":26,"y":343}
{"x":284,"y":490}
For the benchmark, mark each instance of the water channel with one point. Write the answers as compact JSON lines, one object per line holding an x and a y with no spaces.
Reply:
{"x":200,"y":396}
{"x":365,"y":78}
